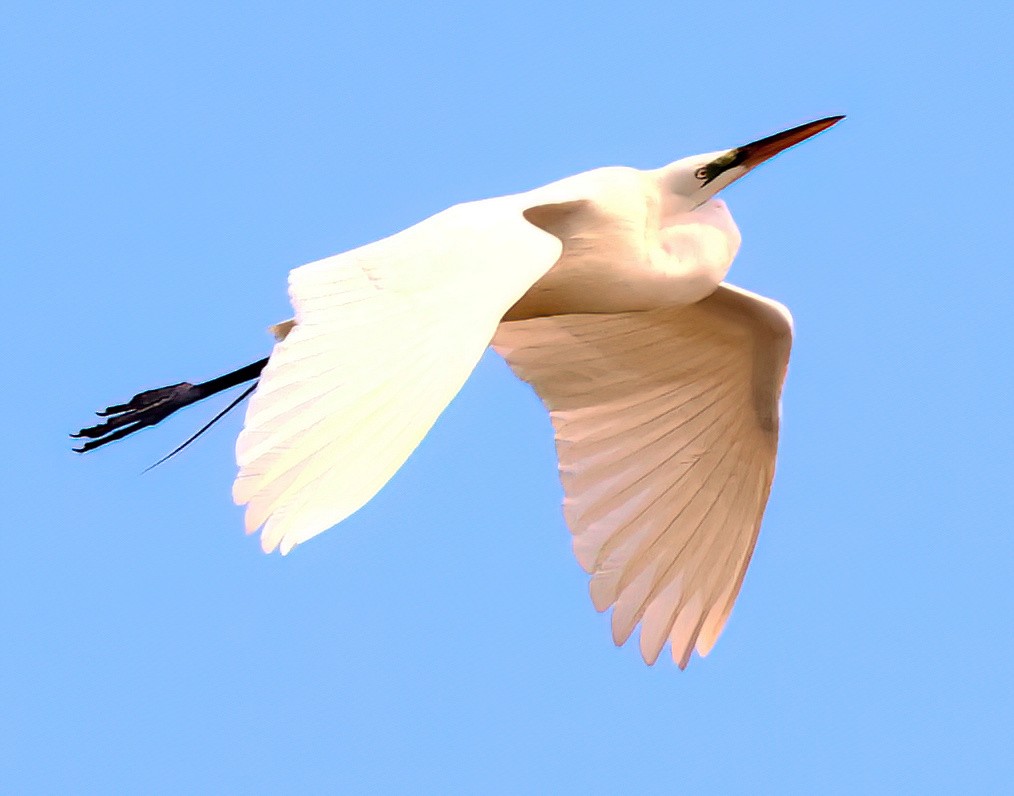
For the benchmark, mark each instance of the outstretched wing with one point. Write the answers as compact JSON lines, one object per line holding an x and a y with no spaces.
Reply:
{"x":666,"y":431}
{"x":384,"y":337}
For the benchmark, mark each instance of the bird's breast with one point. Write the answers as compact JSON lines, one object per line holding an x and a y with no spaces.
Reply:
{"x":618,"y":256}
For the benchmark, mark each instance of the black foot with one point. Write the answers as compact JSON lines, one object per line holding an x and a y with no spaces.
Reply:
{"x":153,"y":406}
{"x":144,"y":409}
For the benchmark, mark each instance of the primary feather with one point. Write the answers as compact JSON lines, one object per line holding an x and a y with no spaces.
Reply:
{"x":666,"y":430}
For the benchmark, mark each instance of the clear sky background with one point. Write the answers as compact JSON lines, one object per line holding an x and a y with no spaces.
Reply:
{"x":165,"y":164}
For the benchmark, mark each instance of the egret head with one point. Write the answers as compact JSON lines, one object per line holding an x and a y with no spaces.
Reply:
{"x":692,"y":181}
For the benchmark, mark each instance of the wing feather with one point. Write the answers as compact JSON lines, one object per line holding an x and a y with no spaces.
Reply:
{"x":666,"y":426}
{"x":384,"y":337}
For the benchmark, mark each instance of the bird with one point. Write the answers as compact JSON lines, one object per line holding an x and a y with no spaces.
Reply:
{"x":605,"y":292}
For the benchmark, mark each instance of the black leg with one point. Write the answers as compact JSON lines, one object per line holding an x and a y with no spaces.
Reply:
{"x":153,"y":406}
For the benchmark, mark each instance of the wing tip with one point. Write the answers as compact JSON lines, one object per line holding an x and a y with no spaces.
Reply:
{"x":650,"y":656}
{"x":268,"y":544}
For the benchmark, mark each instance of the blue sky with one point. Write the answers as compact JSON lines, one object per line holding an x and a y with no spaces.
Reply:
{"x":166,"y":164}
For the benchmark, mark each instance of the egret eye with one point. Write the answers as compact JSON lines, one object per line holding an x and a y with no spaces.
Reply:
{"x":701,"y":173}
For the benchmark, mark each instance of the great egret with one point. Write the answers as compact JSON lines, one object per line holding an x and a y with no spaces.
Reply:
{"x":603,"y":291}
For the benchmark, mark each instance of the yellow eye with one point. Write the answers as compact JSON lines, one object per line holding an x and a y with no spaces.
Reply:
{"x":701,"y":173}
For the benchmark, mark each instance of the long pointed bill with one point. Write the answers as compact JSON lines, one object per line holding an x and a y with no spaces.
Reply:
{"x":732,"y":164}
{"x":756,"y":153}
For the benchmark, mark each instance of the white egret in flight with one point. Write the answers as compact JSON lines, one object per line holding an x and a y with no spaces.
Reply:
{"x":604,"y":291}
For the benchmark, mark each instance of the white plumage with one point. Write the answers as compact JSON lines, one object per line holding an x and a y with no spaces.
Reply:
{"x":381,"y":344}
{"x":666,"y":428}
{"x":603,"y":291}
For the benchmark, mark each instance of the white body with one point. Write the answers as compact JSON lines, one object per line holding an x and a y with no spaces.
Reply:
{"x":621,"y":251}
{"x":605,"y":292}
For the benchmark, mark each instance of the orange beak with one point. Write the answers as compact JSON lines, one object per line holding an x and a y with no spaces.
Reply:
{"x":766,"y":148}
